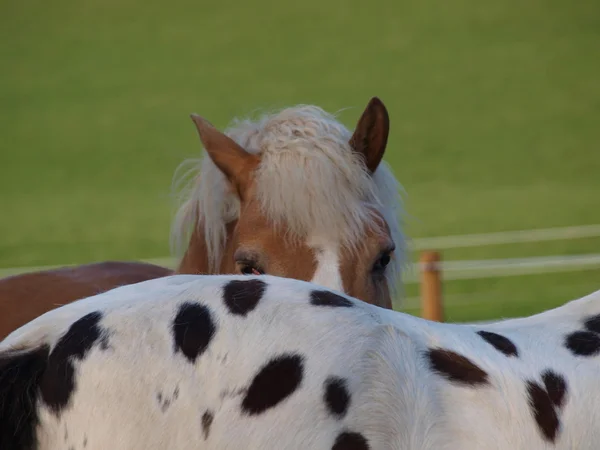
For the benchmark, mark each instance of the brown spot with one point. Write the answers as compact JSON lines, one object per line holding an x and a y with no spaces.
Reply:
{"x":242,"y":296}
{"x":336,"y":396}
{"x":328,"y":298}
{"x":456,"y":368}
{"x":349,"y":440}
{"x":499,"y":342}
{"x":556,"y":386}
{"x":276,"y":381}
{"x":583,"y":343}
{"x":543,"y":410}
{"x":207,"y":420}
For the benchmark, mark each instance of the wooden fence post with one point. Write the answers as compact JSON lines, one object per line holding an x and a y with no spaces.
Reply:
{"x":431,"y":286}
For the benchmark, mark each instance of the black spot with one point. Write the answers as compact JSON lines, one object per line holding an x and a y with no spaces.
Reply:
{"x":500,"y":343}
{"x":336,"y":396}
{"x":583,"y":343}
{"x":207,"y":419}
{"x":275,"y":381}
{"x":58,"y":383}
{"x":593,"y":324}
{"x":556,"y":387}
{"x":20,"y":374}
{"x":104,"y":342}
{"x":543,"y":410}
{"x":193,"y":329}
{"x":349,"y":440}
{"x":455,"y":367}
{"x":242,"y":296}
{"x":163,"y":402}
{"x":327,"y":298}
{"x":84,"y":440}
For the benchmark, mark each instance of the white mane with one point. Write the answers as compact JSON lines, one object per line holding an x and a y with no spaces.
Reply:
{"x":309,"y":179}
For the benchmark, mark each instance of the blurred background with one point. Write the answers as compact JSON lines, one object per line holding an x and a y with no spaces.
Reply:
{"x":494,"y":108}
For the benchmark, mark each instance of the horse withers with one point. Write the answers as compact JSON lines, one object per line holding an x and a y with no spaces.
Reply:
{"x":293,"y":194}
{"x":260,"y":362}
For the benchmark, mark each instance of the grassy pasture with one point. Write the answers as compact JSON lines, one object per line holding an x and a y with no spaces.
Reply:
{"x":494,"y":110}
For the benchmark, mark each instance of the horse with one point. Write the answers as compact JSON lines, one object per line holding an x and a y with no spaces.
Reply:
{"x":261,"y":362}
{"x":293,"y":194}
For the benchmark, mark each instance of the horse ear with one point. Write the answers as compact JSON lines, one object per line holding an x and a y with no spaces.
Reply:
{"x":229,"y":157}
{"x":371,"y":133}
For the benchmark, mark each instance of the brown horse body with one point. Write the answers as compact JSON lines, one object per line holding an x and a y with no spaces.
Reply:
{"x":26,"y":296}
{"x":293,"y":195}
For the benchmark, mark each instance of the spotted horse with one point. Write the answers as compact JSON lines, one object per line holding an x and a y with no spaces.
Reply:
{"x":261,"y":362}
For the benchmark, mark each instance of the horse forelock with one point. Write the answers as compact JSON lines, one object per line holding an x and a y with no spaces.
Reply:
{"x":309,"y":180}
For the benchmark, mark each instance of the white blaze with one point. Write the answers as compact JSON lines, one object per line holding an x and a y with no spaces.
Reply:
{"x":327,"y":273}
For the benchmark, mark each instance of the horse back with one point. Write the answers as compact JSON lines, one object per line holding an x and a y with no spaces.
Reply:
{"x":27,"y":296}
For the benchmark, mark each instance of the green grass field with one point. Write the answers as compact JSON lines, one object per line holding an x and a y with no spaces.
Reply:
{"x":494,"y":110}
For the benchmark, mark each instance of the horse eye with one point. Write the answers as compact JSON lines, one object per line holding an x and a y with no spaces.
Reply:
{"x":249,"y":269}
{"x":382,"y":262}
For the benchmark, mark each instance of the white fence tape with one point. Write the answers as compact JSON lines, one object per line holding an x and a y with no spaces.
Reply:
{"x":492,"y":268}
{"x":506,"y":237}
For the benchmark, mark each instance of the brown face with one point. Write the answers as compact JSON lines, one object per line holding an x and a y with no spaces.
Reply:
{"x":364,"y":271}
{"x":257,"y":247}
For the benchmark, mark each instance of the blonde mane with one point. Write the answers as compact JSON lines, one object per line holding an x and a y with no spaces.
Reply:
{"x":309,"y":179}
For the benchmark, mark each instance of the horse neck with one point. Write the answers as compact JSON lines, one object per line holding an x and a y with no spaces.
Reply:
{"x":195,"y":260}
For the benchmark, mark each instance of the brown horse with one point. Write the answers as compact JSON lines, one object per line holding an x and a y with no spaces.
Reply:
{"x":293,"y":194}
{"x":27,"y":296}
